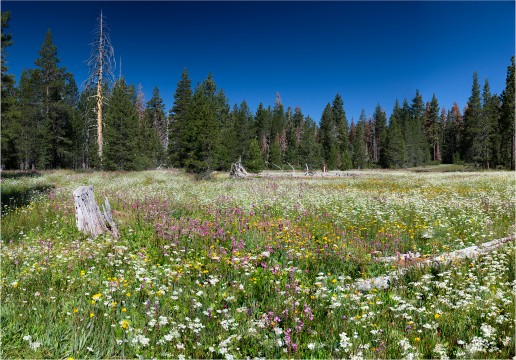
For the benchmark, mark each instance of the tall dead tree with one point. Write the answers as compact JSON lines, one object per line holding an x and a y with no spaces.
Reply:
{"x":101,"y":64}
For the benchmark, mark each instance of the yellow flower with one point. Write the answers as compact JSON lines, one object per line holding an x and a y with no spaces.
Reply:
{"x":70,"y":358}
{"x":83,"y":272}
{"x":96,"y":296}
{"x":334,"y":281}
{"x":92,"y":315}
{"x":437,"y":315}
{"x":124,"y":324}
{"x":128,"y":294}
{"x":417,"y":339}
{"x":124,"y":310}
{"x":113,"y":304}
{"x":75,"y":310}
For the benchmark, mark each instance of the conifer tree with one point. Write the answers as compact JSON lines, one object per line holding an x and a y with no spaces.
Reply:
{"x":489,"y":131}
{"x":507,"y":148}
{"x":253,"y":161}
{"x":432,"y":129}
{"x":396,"y":151}
{"x":262,"y":130}
{"x":153,"y":132}
{"x":341,"y":124}
{"x":178,"y":121}
{"x":121,"y":138}
{"x":475,"y":141}
{"x":380,"y":138}
{"x":360,"y":155}
{"x":10,"y":112}
{"x":329,"y":138}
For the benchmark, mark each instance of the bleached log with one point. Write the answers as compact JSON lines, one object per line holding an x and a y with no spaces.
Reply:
{"x":471,"y":252}
{"x":90,"y":220}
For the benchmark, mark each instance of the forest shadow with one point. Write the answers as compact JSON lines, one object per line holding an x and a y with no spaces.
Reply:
{"x":16,"y":174}
{"x":15,"y":197}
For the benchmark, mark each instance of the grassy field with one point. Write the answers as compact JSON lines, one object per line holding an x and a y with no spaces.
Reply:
{"x":260,"y":267}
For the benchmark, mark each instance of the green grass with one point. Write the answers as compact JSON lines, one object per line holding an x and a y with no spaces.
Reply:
{"x":258,"y":268}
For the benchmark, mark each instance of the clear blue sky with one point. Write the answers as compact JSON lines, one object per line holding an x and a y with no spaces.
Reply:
{"x":369,"y":52}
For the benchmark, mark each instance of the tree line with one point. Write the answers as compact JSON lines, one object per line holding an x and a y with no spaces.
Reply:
{"x":47,"y":123}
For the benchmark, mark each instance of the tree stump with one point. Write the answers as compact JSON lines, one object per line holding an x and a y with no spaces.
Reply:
{"x":238,"y":170}
{"x":90,"y":220}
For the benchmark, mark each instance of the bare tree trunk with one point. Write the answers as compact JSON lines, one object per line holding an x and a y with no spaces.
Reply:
{"x":238,"y":170}
{"x":90,"y":219}
{"x":101,"y":63}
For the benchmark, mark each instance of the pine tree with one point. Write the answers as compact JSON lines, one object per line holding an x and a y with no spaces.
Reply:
{"x":396,"y":151}
{"x":10,"y":112}
{"x":380,"y":138}
{"x":152,"y":125}
{"x":359,"y":152}
{"x":341,"y":124}
{"x":48,"y":96}
{"x":262,"y":130}
{"x":178,"y":121}
{"x":432,"y":129}
{"x":310,"y":148}
{"x":475,"y":141}
{"x":329,"y":138}
{"x":121,"y":138}
{"x":489,"y":127}
{"x":253,"y":161}
{"x":507,"y":148}
{"x":201,"y":131}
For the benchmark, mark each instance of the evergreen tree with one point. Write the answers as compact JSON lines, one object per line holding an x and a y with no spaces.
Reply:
{"x":380,"y":138}
{"x":360,"y":155}
{"x":153,"y":132}
{"x":432,"y":128}
{"x":310,"y":148}
{"x":396,"y":152}
{"x":121,"y":138}
{"x":453,"y":131}
{"x":328,"y":138}
{"x":262,"y":130}
{"x":10,"y":112}
{"x":475,"y":141}
{"x":178,"y":119}
{"x":48,"y":97}
{"x":341,"y":124}
{"x":253,"y":161}
{"x":201,"y":131}
{"x":489,"y":131}
{"x":507,"y":147}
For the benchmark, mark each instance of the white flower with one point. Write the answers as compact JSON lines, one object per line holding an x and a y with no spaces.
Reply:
{"x":344,"y":342}
{"x":27,"y":338}
{"x":488,"y":330}
{"x":311,"y":346}
{"x":278,"y":331}
{"x":163,"y":321}
{"x":180,"y":346}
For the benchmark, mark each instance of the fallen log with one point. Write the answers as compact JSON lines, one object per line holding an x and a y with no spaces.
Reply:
{"x":90,"y":220}
{"x":384,"y":281}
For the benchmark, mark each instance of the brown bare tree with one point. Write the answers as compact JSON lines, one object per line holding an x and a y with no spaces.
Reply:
{"x":101,"y":64}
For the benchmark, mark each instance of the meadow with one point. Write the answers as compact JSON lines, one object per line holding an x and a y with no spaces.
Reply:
{"x":257,"y":267}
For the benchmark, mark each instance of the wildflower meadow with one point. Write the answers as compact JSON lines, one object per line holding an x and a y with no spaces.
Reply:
{"x":262,"y":267}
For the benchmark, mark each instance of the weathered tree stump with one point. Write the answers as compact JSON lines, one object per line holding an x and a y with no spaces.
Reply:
{"x":238,"y":170}
{"x":90,"y":219}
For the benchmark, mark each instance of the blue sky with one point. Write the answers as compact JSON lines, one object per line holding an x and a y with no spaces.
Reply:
{"x":369,"y":52}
